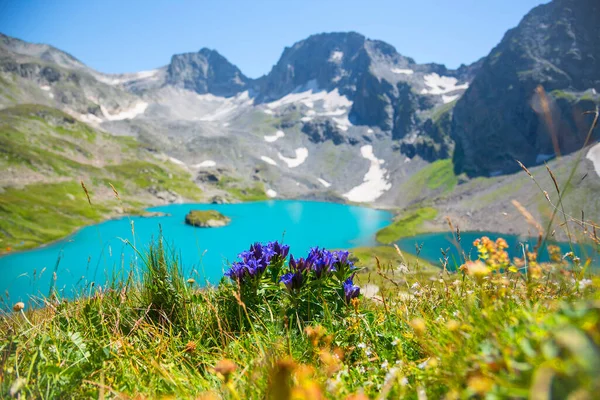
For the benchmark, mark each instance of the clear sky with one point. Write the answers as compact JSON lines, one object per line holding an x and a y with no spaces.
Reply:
{"x":133,"y":35}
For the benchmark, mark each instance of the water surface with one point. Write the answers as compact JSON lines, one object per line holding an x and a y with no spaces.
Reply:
{"x":100,"y":254}
{"x":432,"y":244}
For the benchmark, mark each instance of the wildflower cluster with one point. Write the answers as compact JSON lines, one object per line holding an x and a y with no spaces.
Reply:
{"x":493,"y":254}
{"x":254,"y":262}
{"x":322,"y":278}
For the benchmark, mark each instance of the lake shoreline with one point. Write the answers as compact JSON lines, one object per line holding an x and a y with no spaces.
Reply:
{"x":117,"y":216}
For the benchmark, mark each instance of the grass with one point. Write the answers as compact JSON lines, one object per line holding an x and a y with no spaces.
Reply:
{"x":252,"y":193}
{"x":443,"y":109}
{"x":380,"y":263}
{"x":236,"y":188}
{"x":45,"y":212}
{"x":472,"y":334}
{"x":55,"y":152}
{"x":407,"y":224}
{"x":437,"y":175}
{"x":435,"y":180}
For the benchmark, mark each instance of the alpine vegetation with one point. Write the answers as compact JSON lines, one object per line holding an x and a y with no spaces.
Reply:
{"x":304,"y":289}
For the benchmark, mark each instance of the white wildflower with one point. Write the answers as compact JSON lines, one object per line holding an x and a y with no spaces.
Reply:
{"x":584,"y":283}
{"x":361,"y":346}
{"x":390,"y":375}
{"x":395,"y":342}
{"x":385,"y":364}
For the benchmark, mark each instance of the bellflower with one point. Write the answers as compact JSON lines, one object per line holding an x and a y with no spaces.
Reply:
{"x":292,"y":280}
{"x":255,"y":261}
{"x":321,"y":261}
{"x":350,"y":289}
{"x":279,"y":250}
{"x":299,"y":264}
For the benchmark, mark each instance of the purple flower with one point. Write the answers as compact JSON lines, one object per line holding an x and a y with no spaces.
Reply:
{"x":300,"y":264}
{"x":350,"y":289}
{"x":255,"y":261}
{"x":280,"y":250}
{"x":292,"y":280}
{"x":321,"y":261}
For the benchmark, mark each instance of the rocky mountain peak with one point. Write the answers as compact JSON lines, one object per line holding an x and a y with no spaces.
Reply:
{"x":204,"y":72}
{"x":553,"y":56}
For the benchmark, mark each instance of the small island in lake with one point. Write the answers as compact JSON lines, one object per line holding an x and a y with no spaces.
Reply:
{"x":206,"y":219}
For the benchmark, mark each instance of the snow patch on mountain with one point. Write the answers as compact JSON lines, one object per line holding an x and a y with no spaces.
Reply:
{"x":374,"y":182}
{"x":205,"y":164}
{"x":324,"y":182}
{"x":449,"y":99}
{"x":594,"y":156}
{"x":177,"y":161}
{"x":309,"y":94}
{"x":271,"y":193}
{"x":268,"y":160}
{"x":301,"y":156}
{"x":87,"y":118}
{"x":336,"y":56}
{"x":342,"y":123}
{"x":124,"y":78}
{"x":225,"y":105}
{"x":138,"y":109}
{"x":272,"y":138}
{"x":403,"y":71}
{"x":441,"y":84}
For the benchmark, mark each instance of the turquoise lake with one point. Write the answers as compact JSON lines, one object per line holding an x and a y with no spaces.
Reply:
{"x":99,"y":254}
{"x":431,"y":245}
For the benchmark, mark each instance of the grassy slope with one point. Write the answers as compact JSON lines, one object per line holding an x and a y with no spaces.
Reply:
{"x":48,"y":153}
{"x":485,"y":203}
{"x":408,"y":223}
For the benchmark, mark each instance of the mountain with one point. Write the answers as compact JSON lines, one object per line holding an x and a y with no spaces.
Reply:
{"x":387,"y":90}
{"x":527,"y":99}
{"x":339,"y":117}
{"x":206,"y":72}
{"x":45,"y":153}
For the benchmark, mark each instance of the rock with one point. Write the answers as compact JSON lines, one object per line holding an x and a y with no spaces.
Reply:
{"x":218,"y":200}
{"x":206,"y":219}
{"x":500,"y":118}
{"x":321,"y":130}
{"x":167,"y":195}
{"x":152,"y":214}
{"x":206,"y":71}
{"x":207,"y":176}
{"x":434,"y":141}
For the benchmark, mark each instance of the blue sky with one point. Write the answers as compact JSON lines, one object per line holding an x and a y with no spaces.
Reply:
{"x":132,"y":35}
